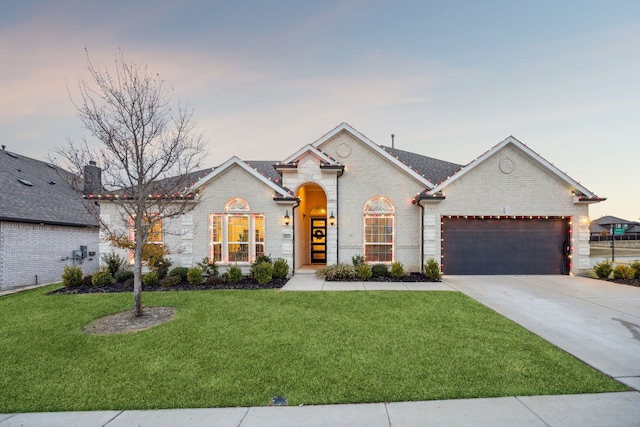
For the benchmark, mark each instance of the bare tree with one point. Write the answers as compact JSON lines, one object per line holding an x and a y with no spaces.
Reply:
{"x":147,"y":150}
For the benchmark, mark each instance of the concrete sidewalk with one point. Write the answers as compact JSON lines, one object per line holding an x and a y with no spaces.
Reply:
{"x":585,"y":410}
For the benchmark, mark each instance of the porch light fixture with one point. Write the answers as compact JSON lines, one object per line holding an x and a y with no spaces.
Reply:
{"x":332,"y":219}
{"x":286,"y":219}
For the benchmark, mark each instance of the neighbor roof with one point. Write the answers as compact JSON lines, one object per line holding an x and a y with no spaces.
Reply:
{"x":38,"y":192}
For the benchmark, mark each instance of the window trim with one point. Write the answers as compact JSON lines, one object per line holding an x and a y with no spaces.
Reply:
{"x":379,"y":207}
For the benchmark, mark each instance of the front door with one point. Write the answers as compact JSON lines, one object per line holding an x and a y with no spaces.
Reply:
{"x":318,"y":240}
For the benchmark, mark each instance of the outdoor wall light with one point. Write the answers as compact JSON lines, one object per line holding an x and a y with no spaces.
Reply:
{"x":332,"y":220}
{"x":286,"y":219}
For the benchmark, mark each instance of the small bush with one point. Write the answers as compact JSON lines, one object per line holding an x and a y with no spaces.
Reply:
{"x":379,"y":270}
{"x":194,"y":276}
{"x":87,"y":280}
{"x":114,"y":263}
{"x":128,"y":283}
{"x":180,"y":272}
{"x":397,"y":270}
{"x":636,"y":266}
{"x":280,"y":268}
{"x":623,"y":271}
{"x":72,"y":276}
{"x":150,"y":278}
{"x":338,"y":272}
{"x":263,"y":272}
{"x":603,"y":269}
{"x":161,"y":267}
{"x":170,"y":281}
{"x":432,"y":269}
{"x":102,"y":278}
{"x":123,"y":275}
{"x":208,"y":267}
{"x":234,"y":275}
{"x":357,"y":260}
{"x":364,"y":272}
{"x":259,"y":260}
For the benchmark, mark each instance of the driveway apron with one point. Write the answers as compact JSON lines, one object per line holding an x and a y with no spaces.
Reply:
{"x":594,"y":320}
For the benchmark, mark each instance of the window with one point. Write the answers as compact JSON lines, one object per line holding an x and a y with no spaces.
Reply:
{"x":379,"y":225}
{"x":236,"y":235}
{"x":154,"y":236}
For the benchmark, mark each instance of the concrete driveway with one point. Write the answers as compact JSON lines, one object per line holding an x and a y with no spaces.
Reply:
{"x":596,"y":321}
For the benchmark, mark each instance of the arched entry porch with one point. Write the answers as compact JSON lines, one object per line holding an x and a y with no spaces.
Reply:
{"x":311,"y":226}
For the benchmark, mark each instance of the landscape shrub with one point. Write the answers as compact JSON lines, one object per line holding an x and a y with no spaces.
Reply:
{"x":170,"y":281}
{"x":123,"y":275}
{"x":636,"y":266}
{"x":150,"y":278}
{"x":280,"y":268}
{"x":208,"y":267}
{"x":338,"y":272}
{"x":194,"y":276}
{"x":161,"y":267}
{"x":364,"y":272}
{"x":397,"y":270}
{"x":623,"y":271}
{"x":379,"y":270}
{"x":234,"y":275}
{"x":259,"y":260}
{"x":114,"y":263}
{"x":87,"y":280}
{"x":179,"y":272}
{"x":357,"y":260}
{"x":102,"y":278}
{"x":603,"y":269}
{"x":72,"y":276}
{"x":432,"y":269}
{"x":263,"y":272}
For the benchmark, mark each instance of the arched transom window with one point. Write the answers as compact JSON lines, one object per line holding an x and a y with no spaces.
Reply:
{"x":379,"y":224}
{"x":237,"y":235}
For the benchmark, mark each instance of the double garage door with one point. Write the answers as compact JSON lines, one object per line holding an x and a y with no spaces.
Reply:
{"x":505,"y":245}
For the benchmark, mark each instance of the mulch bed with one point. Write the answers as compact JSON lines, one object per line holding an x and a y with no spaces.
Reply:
{"x":124,"y":287}
{"x":630,"y":282}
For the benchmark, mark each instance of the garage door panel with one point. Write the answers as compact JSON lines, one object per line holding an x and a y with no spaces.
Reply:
{"x":504,"y":246}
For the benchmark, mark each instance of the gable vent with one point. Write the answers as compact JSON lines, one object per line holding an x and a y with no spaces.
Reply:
{"x":25,"y":182}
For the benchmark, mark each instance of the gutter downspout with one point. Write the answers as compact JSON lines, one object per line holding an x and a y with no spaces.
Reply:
{"x":421,"y":237}
{"x":338,"y":216}
{"x":293,"y":235}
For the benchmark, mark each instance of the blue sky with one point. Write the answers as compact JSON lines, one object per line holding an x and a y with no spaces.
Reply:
{"x":449,"y":78}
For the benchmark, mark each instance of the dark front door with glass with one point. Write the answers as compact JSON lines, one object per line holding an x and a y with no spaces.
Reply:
{"x":318,"y":240}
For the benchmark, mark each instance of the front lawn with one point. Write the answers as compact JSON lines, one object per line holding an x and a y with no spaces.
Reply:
{"x":241,"y":348}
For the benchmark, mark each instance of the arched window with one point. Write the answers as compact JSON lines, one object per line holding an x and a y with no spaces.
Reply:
{"x":379,"y":224}
{"x":237,"y":235}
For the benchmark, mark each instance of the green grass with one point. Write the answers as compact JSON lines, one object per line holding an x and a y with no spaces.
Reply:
{"x":241,"y":348}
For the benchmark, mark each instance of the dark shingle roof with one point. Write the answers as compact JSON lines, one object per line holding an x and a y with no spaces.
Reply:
{"x":434,"y":170}
{"x":49,"y":200}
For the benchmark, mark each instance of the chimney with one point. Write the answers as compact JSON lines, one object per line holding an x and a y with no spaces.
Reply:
{"x":92,"y":178}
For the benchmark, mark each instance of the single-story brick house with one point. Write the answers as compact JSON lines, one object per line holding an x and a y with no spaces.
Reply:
{"x":43,"y":220}
{"x":507,"y":212}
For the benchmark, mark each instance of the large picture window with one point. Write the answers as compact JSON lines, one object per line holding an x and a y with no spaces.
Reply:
{"x":236,"y":235}
{"x":379,"y":224}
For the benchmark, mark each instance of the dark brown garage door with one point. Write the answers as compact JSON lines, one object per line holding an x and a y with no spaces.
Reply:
{"x":505,"y":245}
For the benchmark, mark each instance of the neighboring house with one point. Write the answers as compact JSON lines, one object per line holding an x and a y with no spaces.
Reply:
{"x":508,"y":212}
{"x":43,"y":220}
{"x":603,"y":227}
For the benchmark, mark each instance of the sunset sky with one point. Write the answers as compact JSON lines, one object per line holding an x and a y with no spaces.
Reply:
{"x":449,"y":78}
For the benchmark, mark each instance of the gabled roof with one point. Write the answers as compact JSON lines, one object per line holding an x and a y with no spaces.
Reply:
{"x":344,"y":127}
{"x":582,"y":193}
{"x":433,"y":169}
{"x":261,"y":170}
{"x":310,"y":149}
{"x":37,"y":192}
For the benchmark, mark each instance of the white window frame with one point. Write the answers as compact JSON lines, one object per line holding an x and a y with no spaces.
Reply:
{"x":256,"y":242}
{"x":379,"y":208}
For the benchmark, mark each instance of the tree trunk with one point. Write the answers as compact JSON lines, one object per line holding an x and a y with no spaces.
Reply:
{"x":137,"y":273}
